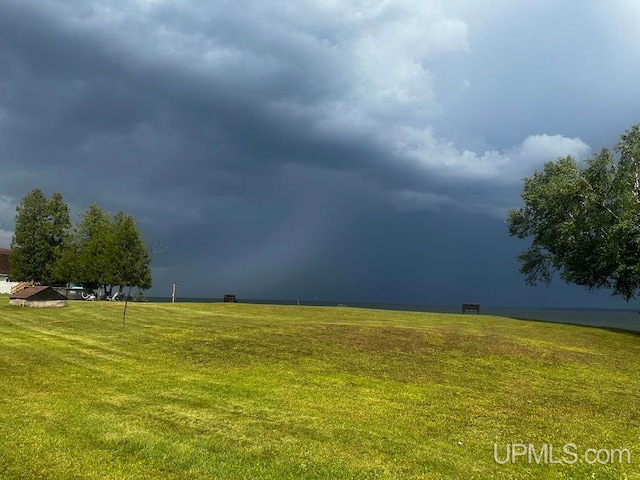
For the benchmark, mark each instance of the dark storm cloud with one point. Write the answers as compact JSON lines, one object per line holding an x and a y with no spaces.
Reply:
{"x":286,"y":149}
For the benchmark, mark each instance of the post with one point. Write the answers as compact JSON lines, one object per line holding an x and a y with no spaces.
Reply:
{"x":173,"y":293}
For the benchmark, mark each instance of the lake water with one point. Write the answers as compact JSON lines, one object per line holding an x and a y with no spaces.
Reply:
{"x":627,"y":319}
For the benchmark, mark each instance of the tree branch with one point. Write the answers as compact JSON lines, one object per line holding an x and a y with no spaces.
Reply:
{"x":601,"y":202}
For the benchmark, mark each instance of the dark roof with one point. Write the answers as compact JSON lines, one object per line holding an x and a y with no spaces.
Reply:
{"x":4,"y":260}
{"x":41,"y":292}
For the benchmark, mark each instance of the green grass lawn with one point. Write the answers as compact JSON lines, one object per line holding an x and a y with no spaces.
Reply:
{"x":198,"y":391}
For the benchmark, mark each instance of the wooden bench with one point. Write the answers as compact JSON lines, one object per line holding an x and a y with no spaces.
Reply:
{"x":471,"y":307}
{"x":230,"y":298}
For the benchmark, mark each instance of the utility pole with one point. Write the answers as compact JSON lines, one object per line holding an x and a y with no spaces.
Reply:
{"x":173,"y":293}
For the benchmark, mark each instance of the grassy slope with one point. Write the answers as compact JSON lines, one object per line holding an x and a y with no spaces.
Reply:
{"x":248,"y":391}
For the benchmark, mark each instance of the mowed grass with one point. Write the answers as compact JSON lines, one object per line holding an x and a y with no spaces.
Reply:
{"x":198,"y":391}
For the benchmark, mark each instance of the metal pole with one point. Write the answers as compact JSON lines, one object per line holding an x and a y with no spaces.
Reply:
{"x":173,"y":293}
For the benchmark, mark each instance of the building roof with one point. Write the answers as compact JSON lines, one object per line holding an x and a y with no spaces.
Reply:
{"x":42,"y":291}
{"x":4,"y":260}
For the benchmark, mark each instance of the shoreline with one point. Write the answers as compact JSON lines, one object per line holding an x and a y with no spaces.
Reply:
{"x":626,"y":319}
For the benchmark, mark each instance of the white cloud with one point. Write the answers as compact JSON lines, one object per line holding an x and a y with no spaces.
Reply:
{"x":485,"y":182}
{"x":392,"y":76}
{"x":441,"y":158}
{"x":537,"y":149}
{"x":551,"y":145}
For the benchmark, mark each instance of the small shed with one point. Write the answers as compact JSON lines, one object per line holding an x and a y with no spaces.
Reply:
{"x":40,"y":296}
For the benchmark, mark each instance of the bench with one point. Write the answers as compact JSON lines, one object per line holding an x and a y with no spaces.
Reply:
{"x":230,"y":298}
{"x":471,"y":307}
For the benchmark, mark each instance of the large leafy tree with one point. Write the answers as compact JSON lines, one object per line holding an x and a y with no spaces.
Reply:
{"x":584,"y":220}
{"x":42,"y":228}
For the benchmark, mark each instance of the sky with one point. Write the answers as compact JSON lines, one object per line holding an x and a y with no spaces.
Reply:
{"x":351,"y":151}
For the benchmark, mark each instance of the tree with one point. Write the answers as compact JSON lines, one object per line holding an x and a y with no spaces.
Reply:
{"x":584,"y":220}
{"x":42,"y":229}
{"x":131,"y":265}
{"x":99,"y":252}
{"x":87,"y":260}
{"x":105,"y":252}
{"x":132,"y":258}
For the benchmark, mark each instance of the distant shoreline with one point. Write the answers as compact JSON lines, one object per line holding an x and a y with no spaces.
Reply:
{"x":614,"y":318}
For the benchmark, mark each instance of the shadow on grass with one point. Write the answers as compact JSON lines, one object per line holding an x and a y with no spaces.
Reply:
{"x":635,"y":333}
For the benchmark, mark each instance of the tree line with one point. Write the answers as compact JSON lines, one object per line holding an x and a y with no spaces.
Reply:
{"x":99,"y":252}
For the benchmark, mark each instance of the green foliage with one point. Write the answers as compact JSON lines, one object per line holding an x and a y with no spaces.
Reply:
{"x":42,"y":228}
{"x":131,"y":261}
{"x":99,"y":251}
{"x":105,"y":252}
{"x":92,"y":248}
{"x":584,"y":220}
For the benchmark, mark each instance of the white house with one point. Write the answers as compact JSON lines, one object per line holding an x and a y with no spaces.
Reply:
{"x":5,"y":284}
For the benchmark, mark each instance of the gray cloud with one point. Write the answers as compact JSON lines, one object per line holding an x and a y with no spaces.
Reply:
{"x":284,"y":149}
